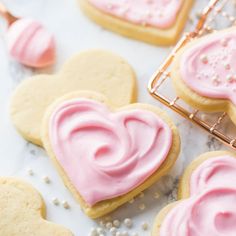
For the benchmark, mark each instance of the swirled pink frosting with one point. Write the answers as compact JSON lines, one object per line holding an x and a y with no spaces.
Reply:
{"x":213,"y":173}
{"x":30,"y":43}
{"x":211,"y":209}
{"x":211,"y":213}
{"x":208,"y":67}
{"x":156,"y":13}
{"x":106,"y":154}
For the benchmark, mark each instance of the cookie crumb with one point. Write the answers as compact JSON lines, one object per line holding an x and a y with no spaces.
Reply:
{"x":141,"y":206}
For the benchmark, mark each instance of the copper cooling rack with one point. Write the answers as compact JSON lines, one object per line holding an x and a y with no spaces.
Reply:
{"x":217,"y":15}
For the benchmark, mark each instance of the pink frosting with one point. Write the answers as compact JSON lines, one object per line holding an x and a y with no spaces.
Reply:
{"x":106,"y":154}
{"x":156,"y":13}
{"x":211,"y":209}
{"x":208,"y":68}
{"x":212,"y":173}
{"x":211,"y":213}
{"x":29,"y":43}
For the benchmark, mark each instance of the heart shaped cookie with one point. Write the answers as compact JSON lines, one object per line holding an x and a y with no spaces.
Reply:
{"x":209,"y":193}
{"x":95,"y":146}
{"x":156,"y":21}
{"x":94,"y":70}
{"x":23,"y":210}
{"x":204,"y":72}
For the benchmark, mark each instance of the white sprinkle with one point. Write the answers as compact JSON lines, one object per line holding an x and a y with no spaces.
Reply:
{"x":224,"y":42}
{"x":108,"y":225}
{"x":66,"y":205}
{"x":116,"y":223}
{"x":125,"y":233}
{"x":128,"y":222}
{"x":227,"y":66}
{"x":230,"y":78}
{"x":118,"y":233}
{"x":30,"y":172}
{"x":204,"y":59}
{"x":55,"y":201}
{"x":113,"y":231}
{"x":93,"y":232}
{"x":46,"y":180}
{"x":141,"y":206}
{"x":101,"y":223}
{"x":144,"y":226}
{"x":100,"y":230}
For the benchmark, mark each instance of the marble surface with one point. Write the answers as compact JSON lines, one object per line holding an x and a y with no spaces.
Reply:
{"x":74,"y":33}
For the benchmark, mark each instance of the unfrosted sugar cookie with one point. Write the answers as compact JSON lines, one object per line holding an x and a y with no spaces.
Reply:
{"x":106,"y":156}
{"x":152,"y":21}
{"x":94,"y":70}
{"x":204,"y":72}
{"x":209,"y":193}
{"x":23,"y":211}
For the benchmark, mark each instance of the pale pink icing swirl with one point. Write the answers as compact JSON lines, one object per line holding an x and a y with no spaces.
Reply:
{"x":156,"y":13}
{"x":211,"y":213}
{"x":30,"y":43}
{"x":208,"y":67}
{"x":211,"y":209}
{"x":214,"y":172}
{"x":106,"y":154}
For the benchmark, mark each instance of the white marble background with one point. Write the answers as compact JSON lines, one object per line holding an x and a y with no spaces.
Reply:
{"x":74,"y":33}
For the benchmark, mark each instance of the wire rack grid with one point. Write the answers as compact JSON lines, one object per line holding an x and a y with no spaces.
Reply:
{"x":209,"y":20}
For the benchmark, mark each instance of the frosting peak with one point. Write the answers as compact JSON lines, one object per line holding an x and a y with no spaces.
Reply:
{"x":211,"y":213}
{"x":120,"y":150}
{"x":212,"y":173}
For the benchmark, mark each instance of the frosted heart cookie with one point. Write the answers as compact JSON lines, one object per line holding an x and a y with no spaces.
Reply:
{"x":155,"y":21}
{"x":209,"y":192}
{"x":204,"y":72}
{"x":23,"y":211}
{"x":94,"y":70}
{"x":106,"y":156}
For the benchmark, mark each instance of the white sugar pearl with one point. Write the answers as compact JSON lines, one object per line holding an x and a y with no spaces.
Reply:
{"x":46,"y":179}
{"x":125,"y":233}
{"x":134,"y":234}
{"x":204,"y":59}
{"x":55,"y":201}
{"x":128,"y":222}
{"x":144,"y":226}
{"x":100,"y":230}
{"x":65,"y":204}
{"x":118,"y":234}
{"x":113,"y":231}
{"x":116,"y":223}
{"x":93,"y":232}
{"x":108,"y":225}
